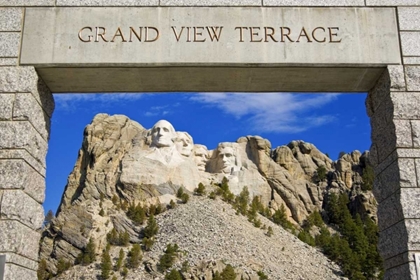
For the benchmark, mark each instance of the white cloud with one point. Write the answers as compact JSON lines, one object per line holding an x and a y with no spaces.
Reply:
{"x":70,"y":101}
{"x":273,"y":112}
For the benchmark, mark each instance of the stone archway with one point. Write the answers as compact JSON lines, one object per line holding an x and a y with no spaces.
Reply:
{"x":28,"y":74}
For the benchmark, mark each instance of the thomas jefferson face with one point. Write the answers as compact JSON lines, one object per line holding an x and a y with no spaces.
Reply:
{"x":226,"y":159}
{"x":163,"y":134}
{"x":201,"y":156}
{"x":184,"y":143}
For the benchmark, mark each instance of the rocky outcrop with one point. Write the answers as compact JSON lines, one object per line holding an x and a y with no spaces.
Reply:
{"x":121,"y":163}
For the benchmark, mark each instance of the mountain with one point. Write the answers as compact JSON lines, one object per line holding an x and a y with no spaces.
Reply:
{"x":126,"y":174}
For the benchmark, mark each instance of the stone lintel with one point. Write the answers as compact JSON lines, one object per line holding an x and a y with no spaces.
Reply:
{"x":212,"y":79}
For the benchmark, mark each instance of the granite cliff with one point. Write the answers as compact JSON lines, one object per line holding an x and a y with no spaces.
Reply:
{"x":121,"y":165}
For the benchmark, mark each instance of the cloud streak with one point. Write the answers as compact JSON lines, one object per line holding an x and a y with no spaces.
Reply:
{"x":273,"y":112}
{"x":71,"y":101}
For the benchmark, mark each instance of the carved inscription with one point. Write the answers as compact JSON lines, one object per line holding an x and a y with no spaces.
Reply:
{"x":201,"y":34}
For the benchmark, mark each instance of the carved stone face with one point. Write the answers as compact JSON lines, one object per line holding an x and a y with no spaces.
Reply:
{"x":201,"y":157}
{"x":163,"y":134}
{"x":226,"y":159}
{"x":184,"y":143}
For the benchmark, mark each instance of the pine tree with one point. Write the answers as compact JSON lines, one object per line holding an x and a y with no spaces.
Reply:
{"x":106,"y":264}
{"x":228,"y":273}
{"x":241,"y":201}
{"x":120,"y":260}
{"x":134,"y":256}
{"x":200,"y":190}
{"x":148,"y":243}
{"x":167,"y":259}
{"x":173,"y":275}
{"x":152,"y":227}
{"x":48,"y":218}
{"x":368,"y":178}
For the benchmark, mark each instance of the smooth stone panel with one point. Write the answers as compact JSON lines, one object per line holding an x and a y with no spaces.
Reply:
{"x":409,"y":18}
{"x":368,"y":37}
{"x":27,"y":3}
{"x":212,"y":79}
{"x":204,"y":3}
{"x":9,"y":44}
{"x":11,"y":19}
{"x":321,"y":3}
{"x":100,"y":3}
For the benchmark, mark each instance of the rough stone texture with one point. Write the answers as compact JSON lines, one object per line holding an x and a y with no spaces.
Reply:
{"x":17,"y":205}
{"x":411,"y":60}
{"x":410,"y":198}
{"x":387,"y":182}
{"x":399,"y":206}
{"x":409,"y":18}
{"x":403,"y":133}
{"x":28,"y":3}
{"x":410,"y":43}
{"x":210,"y":3}
{"x":388,"y":245}
{"x":9,"y":44}
{"x":408,"y":153}
{"x":6,"y":106}
{"x":11,"y":19}
{"x":396,"y":77}
{"x":205,"y":228}
{"x":412,"y":74}
{"x":93,"y":3}
{"x":25,"y":79}
{"x":22,"y":135}
{"x":17,"y":272}
{"x":313,"y":3}
{"x":26,"y":107}
{"x":415,"y":126}
{"x":412,"y":226}
{"x":390,"y":211}
{"x":417,"y":162}
{"x":404,"y":271}
{"x":17,"y":174}
{"x":25,"y":156}
{"x":19,"y":239}
{"x":392,"y":2}
{"x":8,"y":61}
{"x":406,"y":105}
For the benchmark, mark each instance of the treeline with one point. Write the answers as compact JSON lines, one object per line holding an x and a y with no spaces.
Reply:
{"x":353,"y":245}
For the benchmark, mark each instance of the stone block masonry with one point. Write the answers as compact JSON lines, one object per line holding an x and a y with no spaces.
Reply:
{"x":26,"y":106}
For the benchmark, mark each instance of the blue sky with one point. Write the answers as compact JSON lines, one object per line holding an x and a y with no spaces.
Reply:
{"x":332,"y":122}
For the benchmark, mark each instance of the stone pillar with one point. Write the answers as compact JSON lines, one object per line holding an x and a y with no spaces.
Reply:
{"x":395,"y":153}
{"x":26,"y":106}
